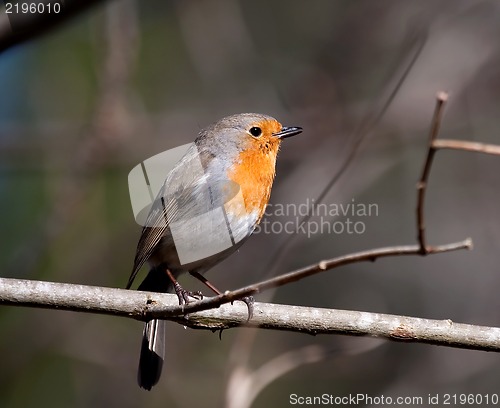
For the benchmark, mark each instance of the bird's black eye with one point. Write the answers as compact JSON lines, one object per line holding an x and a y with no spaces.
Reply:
{"x":256,"y":131}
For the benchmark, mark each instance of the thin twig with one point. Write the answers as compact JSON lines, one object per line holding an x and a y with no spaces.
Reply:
{"x":467,"y":146}
{"x":442,"y":97}
{"x":370,"y":255}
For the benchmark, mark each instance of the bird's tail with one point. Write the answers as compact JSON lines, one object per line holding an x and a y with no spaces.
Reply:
{"x":153,"y":337}
{"x":152,"y":354}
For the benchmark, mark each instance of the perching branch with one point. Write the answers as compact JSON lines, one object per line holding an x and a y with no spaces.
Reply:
{"x":144,"y":305}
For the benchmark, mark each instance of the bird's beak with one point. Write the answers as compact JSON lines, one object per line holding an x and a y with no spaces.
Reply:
{"x":288,"y":131}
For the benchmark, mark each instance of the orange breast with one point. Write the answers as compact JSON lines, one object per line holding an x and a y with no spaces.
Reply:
{"x":254,"y":171}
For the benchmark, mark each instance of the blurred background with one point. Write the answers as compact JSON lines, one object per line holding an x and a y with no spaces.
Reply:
{"x":83,"y":104}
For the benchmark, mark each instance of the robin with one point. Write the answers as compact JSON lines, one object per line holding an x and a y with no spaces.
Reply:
{"x":210,"y":203}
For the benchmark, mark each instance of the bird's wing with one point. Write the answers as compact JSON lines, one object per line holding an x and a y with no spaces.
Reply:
{"x":180,"y":198}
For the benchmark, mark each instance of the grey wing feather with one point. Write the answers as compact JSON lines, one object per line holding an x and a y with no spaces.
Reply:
{"x":150,"y":237}
{"x":178,"y":197}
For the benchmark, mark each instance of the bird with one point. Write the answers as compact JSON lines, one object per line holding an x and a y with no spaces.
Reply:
{"x":210,"y":203}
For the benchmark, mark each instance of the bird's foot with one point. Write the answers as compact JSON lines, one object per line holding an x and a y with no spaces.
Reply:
{"x":185,"y":295}
{"x":249,"y":301}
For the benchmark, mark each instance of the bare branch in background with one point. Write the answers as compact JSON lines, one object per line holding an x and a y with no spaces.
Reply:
{"x":422,"y":184}
{"x":245,"y":386}
{"x":467,"y":146}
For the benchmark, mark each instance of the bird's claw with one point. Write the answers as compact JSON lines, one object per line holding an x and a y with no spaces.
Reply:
{"x":185,"y":295}
{"x":249,"y":301}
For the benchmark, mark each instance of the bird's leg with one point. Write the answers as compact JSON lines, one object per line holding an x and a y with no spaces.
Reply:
{"x":201,"y":278}
{"x":248,"y":300}
{"x":182,"y":293}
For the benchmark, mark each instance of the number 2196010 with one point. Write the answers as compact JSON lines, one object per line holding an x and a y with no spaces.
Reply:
{"x":470,"y":399}
{"x":33,"y":8}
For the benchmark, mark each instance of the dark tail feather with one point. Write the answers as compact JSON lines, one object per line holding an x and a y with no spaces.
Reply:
{"x":153,"y":337}
{"x":152,"y":354}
